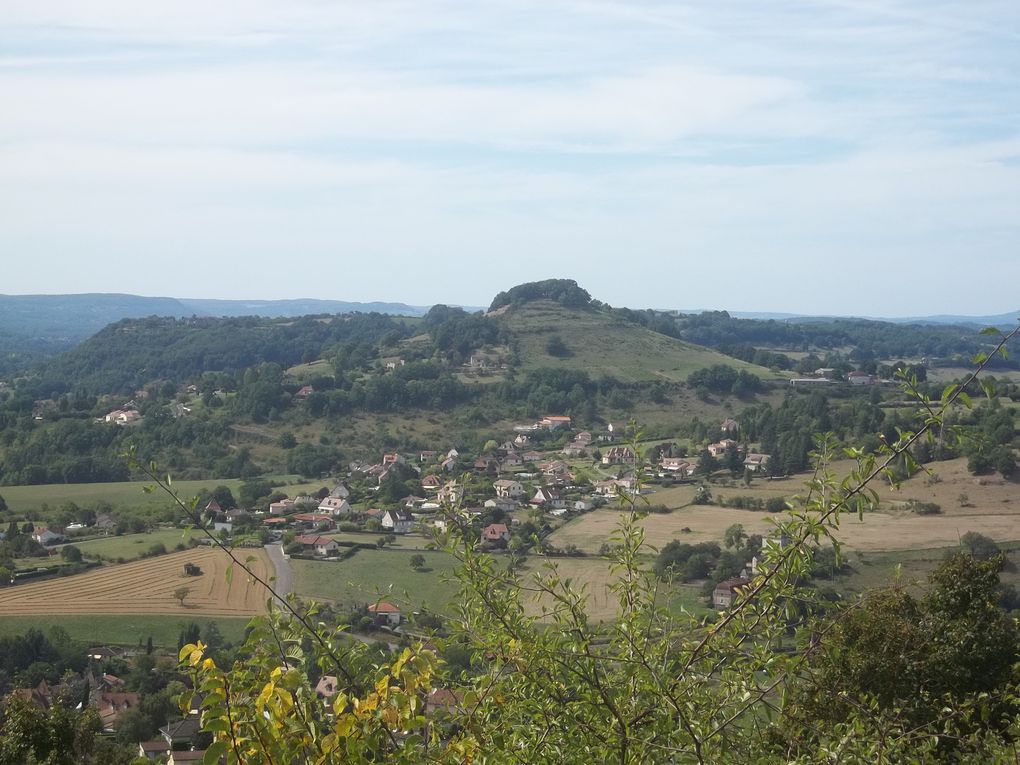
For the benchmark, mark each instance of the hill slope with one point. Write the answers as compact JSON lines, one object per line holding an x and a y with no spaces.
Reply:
{"x":605,"y":346}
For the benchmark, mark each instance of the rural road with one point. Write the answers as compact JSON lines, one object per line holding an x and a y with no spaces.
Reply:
{"x":283,"y":575}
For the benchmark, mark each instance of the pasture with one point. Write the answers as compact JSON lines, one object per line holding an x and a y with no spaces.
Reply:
{"x":371,"y":575}
{"x":127,"y":494}
{"x":124,"y":629}
{"x":131,"y":546}
{"x":145,"y":587}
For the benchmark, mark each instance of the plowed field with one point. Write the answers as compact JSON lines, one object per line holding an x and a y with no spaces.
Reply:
{"x":146,"y":587}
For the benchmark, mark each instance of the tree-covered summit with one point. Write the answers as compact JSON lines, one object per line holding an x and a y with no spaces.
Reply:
{"x":563,"y":291}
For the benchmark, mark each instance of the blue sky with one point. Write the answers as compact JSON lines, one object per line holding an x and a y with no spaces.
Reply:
{"x":848,"y":157}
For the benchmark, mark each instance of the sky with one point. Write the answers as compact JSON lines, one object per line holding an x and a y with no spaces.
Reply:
{"x":833,"y":156}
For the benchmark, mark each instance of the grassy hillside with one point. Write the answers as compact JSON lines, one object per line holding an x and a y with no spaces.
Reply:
{"x":607,"y":346}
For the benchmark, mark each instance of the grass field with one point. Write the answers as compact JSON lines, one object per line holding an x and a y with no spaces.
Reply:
{"x":131,"y":546}
{"x":372,"y":575}
{"x":604,"y":346}
{"x":126,"y":629}
{"x":403,"y":541}
{"x":29,"y":499}
{"x":144,"y":587}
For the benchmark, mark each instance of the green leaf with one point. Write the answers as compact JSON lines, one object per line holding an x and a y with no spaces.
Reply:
{"x":991,"y":331}
{"x":230,"y":574}
{"x":216,"y":750}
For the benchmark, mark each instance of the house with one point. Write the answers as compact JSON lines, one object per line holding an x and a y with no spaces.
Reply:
{"x":105,"y":522}
{"x":677,"y":465}
{"x":327,"y":687}
{"x":41,"y":696}
{"x":554,"y":467}
{"x":583,"y":505}
{"x":719,"y":448}
{"x":311,"y":520}
{"x":505,"y":504}
{"x":729,"y":426}
{"x":181,"y":732}
{"x":860,"y":378}
{"x":554,"y":422}
{"x":304,"y":391}
{"x":442,"y":700}
{"x":431,"y":483}
{"x":46,"y":537}
{"x":522,"y":440}
{"x":282,"y":507}
{"x":340,"y":491}
{"x":618,"y":455}
{"x":511,"y":458}
{"x":384,"y":613}
{"x":574,"y":450}
{"x":548,"y":499}
{"x":584,"y":438}
{"x":275,"y":521}
{"x":398,"y":521}
{"x":607,"y":488}
{"x":725,"y":593}
{"x":322,"y":546}
{"x":451,"y":493}
{"x":226,"y":526}
{"x":122,"y":416}
{"x":153,"y":750}
{"x":112,"y":704}
{"x":531,"y":456}
{"x":496,"y":533}
{"x":828,"y":372}
{"x":393,"y":459}
{"x":508,"y":489}
{"x":334,"y":506}
{"x":755,"y":462}
{"x":449,"y":464}
{"x":486,"y":465}
{"x":427,"y":456}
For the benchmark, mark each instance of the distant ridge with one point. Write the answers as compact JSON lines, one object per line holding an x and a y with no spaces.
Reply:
{"x":1001,"y":320}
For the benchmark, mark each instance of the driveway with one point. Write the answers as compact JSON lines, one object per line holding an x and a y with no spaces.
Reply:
{"x":282,"y":585}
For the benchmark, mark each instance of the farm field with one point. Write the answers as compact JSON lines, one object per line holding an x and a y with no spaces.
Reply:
{"x":878,"y":531}
{"x":125,"y":629}
{"x":144,"y":587}
{"x":367,"y":576}
{"x":596,"y":577}
{"x":29,"y":499}
{"x":992,"y":508}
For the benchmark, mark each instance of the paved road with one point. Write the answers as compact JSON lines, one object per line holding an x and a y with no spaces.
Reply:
{"x":283,"y":582}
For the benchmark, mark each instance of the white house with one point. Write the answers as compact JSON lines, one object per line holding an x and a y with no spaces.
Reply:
{"x":509,"y":489}
{"x":398,"y":521}
{"x":45,"y":537}
{"x":334,"y":506}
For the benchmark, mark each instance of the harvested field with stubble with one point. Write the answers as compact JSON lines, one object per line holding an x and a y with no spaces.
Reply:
{"x":988,"y":505}
{"x":146,"y":587}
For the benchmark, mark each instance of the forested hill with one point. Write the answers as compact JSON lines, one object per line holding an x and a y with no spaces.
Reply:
{"x":130,"y":353}
{"x":34,"y":327}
